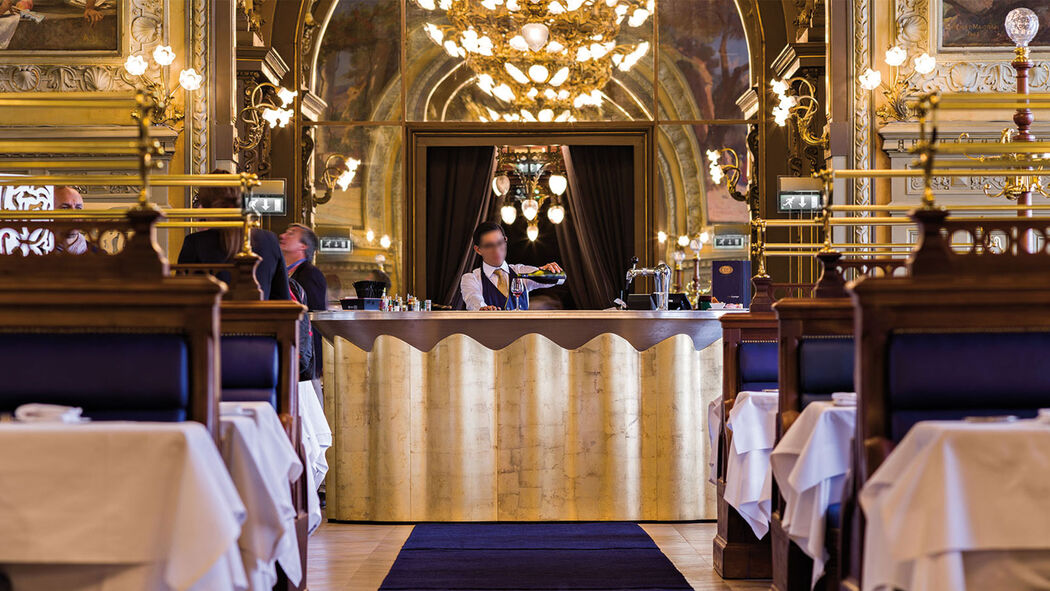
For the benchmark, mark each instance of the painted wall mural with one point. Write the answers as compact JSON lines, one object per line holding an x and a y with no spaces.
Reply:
{"x":57,"y":26}
{"x":979,"y":23}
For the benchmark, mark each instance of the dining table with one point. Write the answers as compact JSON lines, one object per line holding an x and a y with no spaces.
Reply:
{"x":749,"y":482}
{"x":959,"y":506}
{"x":117,"y":505}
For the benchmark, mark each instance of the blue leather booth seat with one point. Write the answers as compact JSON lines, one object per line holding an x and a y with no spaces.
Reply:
{"x":759,"y":366}
{"x":111,"y":376}
{"x":954,"y":375}
{"x":833,"y":518}
{"x":249,"y":369}
{"x":825,"y":367}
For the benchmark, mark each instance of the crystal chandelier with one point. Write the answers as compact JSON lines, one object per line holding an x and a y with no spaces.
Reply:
{"x":542,"y":61}
{"x":528,"y":167}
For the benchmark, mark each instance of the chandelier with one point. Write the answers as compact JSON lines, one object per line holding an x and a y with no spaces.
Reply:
{"x":520,"y":173}
{"x":542,"y":61}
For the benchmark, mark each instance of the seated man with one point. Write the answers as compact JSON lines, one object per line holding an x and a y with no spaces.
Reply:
{"x":488,"y":287}
{"x":73,"y":242}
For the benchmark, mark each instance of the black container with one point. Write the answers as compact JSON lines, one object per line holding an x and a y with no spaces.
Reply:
{"x":370,"y":289}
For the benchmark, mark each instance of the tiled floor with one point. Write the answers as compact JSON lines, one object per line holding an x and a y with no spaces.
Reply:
{"x":357,"y":557}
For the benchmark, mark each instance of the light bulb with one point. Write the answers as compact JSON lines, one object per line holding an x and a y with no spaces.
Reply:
{"x":925,"y":63}
{"x":704,"y":237}
{"x":503,"y":184}
{"x":370,"y":236}
{"x":533,"y":232}
{"x":895,"y":56}
{"x":1021,"y":26}
{"x":712,"y":156}
{"x":135,"y":65}
{"x":545,"y":115}
{"x":559,"y":77}
{"x":536,"y":35}
{"x":538,"y":73}
{"x":270,"y":116}
{"x":717,"y":174}
{"x":779,"y":87}
{"x":679,"y":256}
{"x":558,"y":183}
{"x":283,"y":116}
{"x":516,"y":73}
{"x":190,"y":79}
{"x":286,"y":96}
{"x":503,"y":93}
{"x":434,"y":33}
{"x":683,"y":240}
{"x":385,"y":241}
{"x":661,"y":237}
{"x":556,"y":214}
{"x":870,"y":79}
{"x":426,"y":4}
{"x":529,"y":209}
{"x":163,"y":55}
{"x":495,"y":186}
{"x":695,"y":246}
{"x":638,"y":17}
{"x":508,"y":213}
{"x":518,"y":42}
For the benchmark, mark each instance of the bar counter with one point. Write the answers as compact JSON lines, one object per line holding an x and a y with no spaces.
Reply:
{"x":519,"y":416}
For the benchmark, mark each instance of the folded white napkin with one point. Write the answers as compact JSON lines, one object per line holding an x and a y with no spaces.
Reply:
{"x":49,"y":413}
{"x":844,"y":398}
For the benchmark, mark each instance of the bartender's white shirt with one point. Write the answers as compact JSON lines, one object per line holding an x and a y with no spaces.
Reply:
{"x":473,"y":292}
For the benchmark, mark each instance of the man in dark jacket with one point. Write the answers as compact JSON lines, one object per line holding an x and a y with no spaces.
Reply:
{"x":219,"y":245}
{"x":298,"y":245}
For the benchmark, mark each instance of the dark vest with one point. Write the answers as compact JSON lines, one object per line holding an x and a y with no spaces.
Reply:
{"x":492,"y":295}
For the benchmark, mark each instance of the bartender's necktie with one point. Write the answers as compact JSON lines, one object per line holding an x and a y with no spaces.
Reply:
{"x":501,"y":282}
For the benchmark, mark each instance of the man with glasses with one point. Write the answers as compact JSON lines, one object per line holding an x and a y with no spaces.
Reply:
{"x":488,"y":287}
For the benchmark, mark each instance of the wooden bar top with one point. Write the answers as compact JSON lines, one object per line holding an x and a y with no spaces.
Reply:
{"x":496,"y":330}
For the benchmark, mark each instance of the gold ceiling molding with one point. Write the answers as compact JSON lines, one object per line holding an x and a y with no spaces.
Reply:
{"x":918,"y":26}
{"x":145,"y":28}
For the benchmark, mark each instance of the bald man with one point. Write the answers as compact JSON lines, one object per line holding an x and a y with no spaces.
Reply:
{"x":74,"y":242}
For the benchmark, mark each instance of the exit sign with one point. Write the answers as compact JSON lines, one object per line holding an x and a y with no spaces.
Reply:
{"x":340,"y":244}
{"x":268,"y":198}
{"x":730,"y":241}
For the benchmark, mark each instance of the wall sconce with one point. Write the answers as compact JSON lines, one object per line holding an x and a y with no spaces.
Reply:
{"x":262,"y":112}
{"x":803,"y":106}
{"x":730,"y":173}
{"x":339,"y":171}
{"x":902,"y":88}
{"x":163,"y":95}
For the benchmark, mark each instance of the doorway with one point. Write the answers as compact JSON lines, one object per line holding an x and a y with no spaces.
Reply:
{"x":425,"y":237}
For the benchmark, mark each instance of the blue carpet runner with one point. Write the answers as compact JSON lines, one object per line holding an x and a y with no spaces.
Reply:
{"x":530,"y":557}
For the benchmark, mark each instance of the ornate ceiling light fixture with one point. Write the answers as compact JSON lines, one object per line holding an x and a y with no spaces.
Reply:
{"x":542,"y":61}
{"x":530,"y":167}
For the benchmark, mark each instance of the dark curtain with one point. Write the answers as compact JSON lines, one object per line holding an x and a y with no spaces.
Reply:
{"x":459,"y":197}
{"x":596,"y":239}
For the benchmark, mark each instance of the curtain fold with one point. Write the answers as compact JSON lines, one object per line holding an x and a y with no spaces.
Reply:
{"x":597,"y":237}
{"x":459,"y":197}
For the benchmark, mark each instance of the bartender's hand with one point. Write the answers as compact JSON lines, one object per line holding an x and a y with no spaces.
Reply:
{"x":486,"y":308}
{"x":552,"y":268}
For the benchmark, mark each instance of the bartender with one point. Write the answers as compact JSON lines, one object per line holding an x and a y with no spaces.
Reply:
{"x":488,"y":287}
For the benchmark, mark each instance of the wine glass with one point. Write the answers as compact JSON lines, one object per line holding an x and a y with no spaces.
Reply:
{"x":517,"y":290}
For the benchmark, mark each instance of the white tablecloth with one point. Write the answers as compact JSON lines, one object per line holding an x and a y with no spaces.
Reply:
{"x":950,"y":499}
{"x":810,"y":465}
{"x":263,"y":464}
{"x":117,"y":506}
{"x":749,"y":483}
{"x":316,"y":439}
